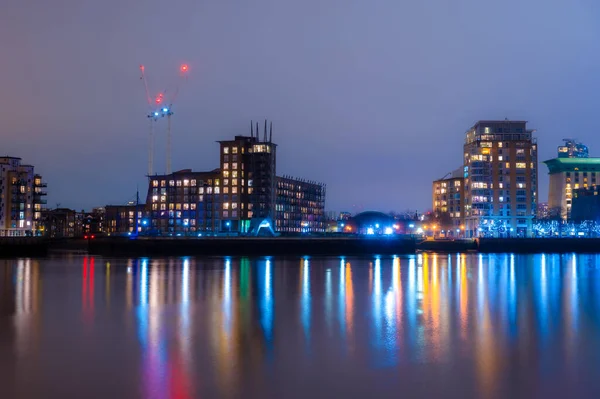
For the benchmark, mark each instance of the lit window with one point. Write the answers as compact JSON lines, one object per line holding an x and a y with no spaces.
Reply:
{"x":208,"y":190}
{"x":234,"y":182}
{"x":234,"y":190}
{"x":500,"y":158}
{"x":179,"y":183}
{"x":234,"y":150}
{"x":225,"y":205}
{"x":234,"y":205}
{"x":172,"y":183}
{"x":500,"y":145}
{"x":154,"y":183}
{"x":226,"y":165}
{"x":521,"y":165}
{"x":225,"y":173}
{"x":193,"y":183}
{"x":154,"y":198}
{"x":217,"y":182}
{"x":234,"y":173}
{"x":200,"y":190}
{"x":234,"y":165}
{"x":217,"y":190}
{"x":225,"y":190}
{"x":225,"y":150}
{"x":186,"y":183}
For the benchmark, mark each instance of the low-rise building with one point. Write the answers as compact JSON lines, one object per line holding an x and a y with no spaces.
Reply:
{"x":60,"y":223}
{"x":299,"y":206}
{"x":126,"y":219}
{"x":586,"y":204}
{"x":448,"y":202}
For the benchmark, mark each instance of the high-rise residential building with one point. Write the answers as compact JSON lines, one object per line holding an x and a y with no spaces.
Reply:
{"x":501,"y":182}
{"x":448,"y":202}
{"x":572,"y":169}
{"x":242,"y":196}
{"x":22,"y":200}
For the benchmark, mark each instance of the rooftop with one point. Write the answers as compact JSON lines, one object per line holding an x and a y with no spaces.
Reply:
{"x":557,"y":165}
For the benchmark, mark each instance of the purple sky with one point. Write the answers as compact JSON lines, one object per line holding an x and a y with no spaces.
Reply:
{"x":371,"y":97}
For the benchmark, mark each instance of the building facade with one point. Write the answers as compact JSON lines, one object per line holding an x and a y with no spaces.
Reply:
{"x":22,"y":198}
{"x":571,"y":170}
{"x":125,"y":219}
{"x":60,"y":223}
{"x":242,"y":196}
{"x":299,"y":206}
{"x":448,"y":202}
{"x":501,"y":180}
{"x":586,"y":204}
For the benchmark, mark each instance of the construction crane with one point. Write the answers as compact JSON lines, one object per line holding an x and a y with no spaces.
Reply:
{"x":160,"y":106}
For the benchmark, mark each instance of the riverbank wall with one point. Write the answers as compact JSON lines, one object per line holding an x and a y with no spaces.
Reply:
{"x":25,"y":247}
{"x":245,"y":246}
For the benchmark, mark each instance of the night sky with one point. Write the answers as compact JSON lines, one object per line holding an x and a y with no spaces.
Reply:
{"x":371,"y":97}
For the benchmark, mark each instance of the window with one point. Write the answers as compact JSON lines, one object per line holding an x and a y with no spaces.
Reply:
{"x":225,"y":174}
{"x":234,"y":165}
{"x":225,"y":150}
{"x":234,"y":173}
{"x":154,"y":183}
{"x":500,"y":158}
{"x":193,"y":182}
{"x":226,"y":166}
{"x":225,"y":182}
{"x":225,"y":205}
{"x":234,"y":150}
{"x":225,"y":190}
{"x":179,"y":182}
{"x":521,"y":165}
{"x":234,"y":182}
{"x":225,"y":214}
{"x":186,"y":183}
{"x":234,"y":190}
{"x":171,"y":183}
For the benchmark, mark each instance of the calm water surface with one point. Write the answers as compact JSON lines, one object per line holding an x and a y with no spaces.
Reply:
{"x":497,"y":326}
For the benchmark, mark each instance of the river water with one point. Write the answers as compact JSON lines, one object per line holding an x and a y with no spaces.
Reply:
{"x":428,"y":325}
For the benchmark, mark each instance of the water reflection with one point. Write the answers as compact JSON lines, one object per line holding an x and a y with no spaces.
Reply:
{"x":228,"y":326}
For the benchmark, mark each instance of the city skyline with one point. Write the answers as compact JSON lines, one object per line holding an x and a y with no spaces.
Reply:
{"x":382,"y":89}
